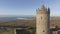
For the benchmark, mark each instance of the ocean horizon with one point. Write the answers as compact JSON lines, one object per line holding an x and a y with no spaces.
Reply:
{"x":10,"y":18}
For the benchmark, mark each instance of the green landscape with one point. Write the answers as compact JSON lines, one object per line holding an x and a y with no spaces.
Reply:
{"x":31,"y":24}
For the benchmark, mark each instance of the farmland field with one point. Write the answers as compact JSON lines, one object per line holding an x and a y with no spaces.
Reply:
{"x":29,"y":23}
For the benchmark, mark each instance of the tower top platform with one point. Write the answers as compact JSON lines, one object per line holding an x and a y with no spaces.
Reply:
{"x":42,"y":10}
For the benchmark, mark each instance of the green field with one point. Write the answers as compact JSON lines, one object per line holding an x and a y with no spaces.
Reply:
{"x":29,"y":23}
{"x":5,"y":31}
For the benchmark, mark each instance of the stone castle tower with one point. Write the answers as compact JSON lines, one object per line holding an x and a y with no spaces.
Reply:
{"x":42,"y":20}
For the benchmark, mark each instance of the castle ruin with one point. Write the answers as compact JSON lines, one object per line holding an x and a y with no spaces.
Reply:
{"x":42,"y":20}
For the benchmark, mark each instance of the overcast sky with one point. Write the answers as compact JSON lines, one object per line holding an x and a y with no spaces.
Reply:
{"x":27,"y":7}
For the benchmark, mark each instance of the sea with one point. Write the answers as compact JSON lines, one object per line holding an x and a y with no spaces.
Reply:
{"x":10,"y":18}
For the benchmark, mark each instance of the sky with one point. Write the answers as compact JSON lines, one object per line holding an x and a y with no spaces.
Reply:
{"x":28,"y":7}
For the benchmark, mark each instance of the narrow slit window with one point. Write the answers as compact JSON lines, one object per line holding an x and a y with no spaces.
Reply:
{"x":41,"y":17}
{"x":43,"y":31}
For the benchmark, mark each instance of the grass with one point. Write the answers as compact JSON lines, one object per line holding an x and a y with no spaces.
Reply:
{"x":5,"y":31}
{"x":29,"y":23}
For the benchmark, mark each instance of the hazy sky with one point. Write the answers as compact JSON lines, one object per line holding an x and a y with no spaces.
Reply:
{"x":27,"y":7}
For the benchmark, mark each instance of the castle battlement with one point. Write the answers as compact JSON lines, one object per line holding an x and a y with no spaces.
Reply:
{"x":43,"y":10}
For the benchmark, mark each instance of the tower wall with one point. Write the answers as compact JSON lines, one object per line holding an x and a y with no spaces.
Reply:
{"x":42,"y":18}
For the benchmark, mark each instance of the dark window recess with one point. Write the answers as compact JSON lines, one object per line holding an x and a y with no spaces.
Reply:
{"x":41,"y":17}
{"x":43,"y":31}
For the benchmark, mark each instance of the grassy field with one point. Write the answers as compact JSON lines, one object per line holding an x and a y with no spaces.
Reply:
{"x":29,"y":23}
{"x":5,"y":31}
